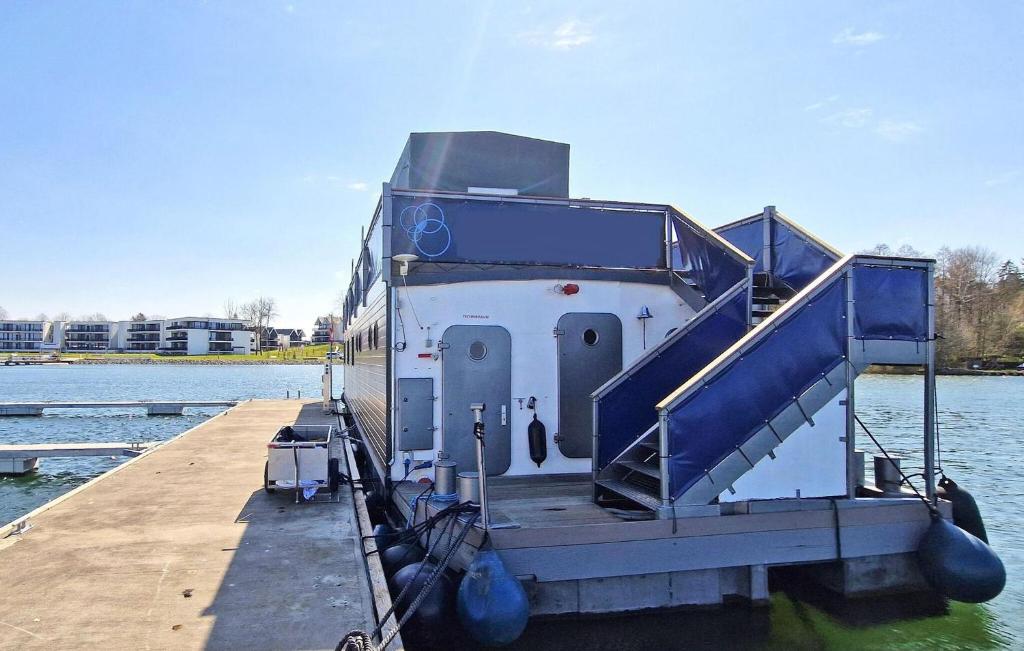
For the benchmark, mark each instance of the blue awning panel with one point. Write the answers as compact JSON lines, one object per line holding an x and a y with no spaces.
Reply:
{"x":795,"y":260}
{"x":748,"y":238}
{"x":481,"y":231}
{"x":706,"y":262}
{"x":890,"y":302}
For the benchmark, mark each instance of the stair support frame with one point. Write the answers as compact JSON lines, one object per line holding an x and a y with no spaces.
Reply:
{"x":851,"y":403}
{"x":929,"y":394}
{"x":666,"y":501}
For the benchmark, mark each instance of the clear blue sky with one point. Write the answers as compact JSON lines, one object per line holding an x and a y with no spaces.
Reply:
{"x":165,"y":156}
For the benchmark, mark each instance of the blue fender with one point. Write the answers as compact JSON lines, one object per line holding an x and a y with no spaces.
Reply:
{"x":958,"y":565}
{"x":491,"y":603}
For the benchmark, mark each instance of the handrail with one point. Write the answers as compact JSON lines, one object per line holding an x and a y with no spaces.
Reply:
{"x":621,"y":409}
{"x":712,"y":235}
{"x":811,"y":238}
{"x":763,"y":329}
{"x":776,"y":251}
{"x":782,"y":217}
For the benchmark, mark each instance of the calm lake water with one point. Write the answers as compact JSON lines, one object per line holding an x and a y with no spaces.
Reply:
{"x":120,"y":382}
{"x":981,"y":421}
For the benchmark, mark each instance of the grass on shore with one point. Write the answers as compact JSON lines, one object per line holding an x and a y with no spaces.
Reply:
{"x":313,"y":353}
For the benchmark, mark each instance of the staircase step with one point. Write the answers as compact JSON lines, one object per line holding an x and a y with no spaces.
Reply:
{"x":631,"y":492}
{"x":644,"y":469}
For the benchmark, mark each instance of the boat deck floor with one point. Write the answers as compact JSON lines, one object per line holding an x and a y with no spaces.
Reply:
{"x":548,"y":527}
{"x":534,"y":501}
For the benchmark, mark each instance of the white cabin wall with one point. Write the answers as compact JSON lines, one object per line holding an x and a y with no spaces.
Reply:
{"x":812,"y":460}
{"x":529,"y":311}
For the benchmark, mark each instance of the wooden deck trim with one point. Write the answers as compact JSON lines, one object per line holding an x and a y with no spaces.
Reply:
{"x":375,"y":571}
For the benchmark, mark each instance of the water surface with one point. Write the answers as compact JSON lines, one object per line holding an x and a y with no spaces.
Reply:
{"x":19,"y":495}
{"x":982,"y":449}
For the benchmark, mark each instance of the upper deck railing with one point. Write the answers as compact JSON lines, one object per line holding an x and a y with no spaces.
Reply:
{"x":781,"y":248}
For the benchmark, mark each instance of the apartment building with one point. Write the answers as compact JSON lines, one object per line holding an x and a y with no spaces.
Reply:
{"x":23,"y":336}
{"x":95,"y":336}
{"x":143,"y":336}
{"x":201,"y":336}
{"x":281,"y":338}
{"x":322,"y":330}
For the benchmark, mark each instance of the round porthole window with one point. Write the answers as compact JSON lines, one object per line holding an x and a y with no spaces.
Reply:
{"x":477,"y":351}
{"x":590,"y":337}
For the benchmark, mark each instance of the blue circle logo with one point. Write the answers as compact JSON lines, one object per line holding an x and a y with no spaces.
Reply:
{"x":425,"y":226}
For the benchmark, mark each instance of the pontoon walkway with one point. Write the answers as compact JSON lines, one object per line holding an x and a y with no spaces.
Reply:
{"x":180,"y":548}
{"x":152,"y":407}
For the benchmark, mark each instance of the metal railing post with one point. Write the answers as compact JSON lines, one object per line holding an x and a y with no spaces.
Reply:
{"x":851,"y":377}
{"x":766,"y":244}
{"x":929,"y":394}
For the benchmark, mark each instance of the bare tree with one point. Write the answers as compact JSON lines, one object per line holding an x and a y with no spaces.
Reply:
{"x":231,"y":310}
{"x":878,"y":249}
{"x":904,"y":251}
{"x":908,"y":251}
{"x":971,"y":315}
{"x":95,"y":316}
{"x":42,"y":317}
{"x":266,"y":311}
{"x":63,"y":316}
{"x":3,"y":312}
{"x":139,"y":317}
{"x":252,"y":312}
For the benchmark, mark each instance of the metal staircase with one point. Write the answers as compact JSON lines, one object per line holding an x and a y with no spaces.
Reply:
{"x":807,"y":348}
{"x":767,"y":298}
{"x":636,"y":474}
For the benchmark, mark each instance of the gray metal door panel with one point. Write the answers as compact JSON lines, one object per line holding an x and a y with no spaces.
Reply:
{"x":415,"y":406}
{"x":476,"y":366}
{"x":589,"y":354}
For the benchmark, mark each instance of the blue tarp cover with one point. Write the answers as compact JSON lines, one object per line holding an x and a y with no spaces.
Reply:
{"x":706,"y":262}
{"x":748,"y":238}
{"x":890,"y":302}
{"x":627,"y":411}
{"x":714,"y":420}
{"x":795,"y":261}
{"x":496,"y":232}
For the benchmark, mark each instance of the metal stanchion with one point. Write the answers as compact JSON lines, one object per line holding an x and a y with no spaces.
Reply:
{"x":478,"y":432}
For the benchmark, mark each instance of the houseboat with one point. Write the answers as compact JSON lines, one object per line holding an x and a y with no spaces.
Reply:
{"x":664,"y":412}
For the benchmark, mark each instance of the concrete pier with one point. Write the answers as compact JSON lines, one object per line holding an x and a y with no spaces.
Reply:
{"x":152,"y":407}
{"x":180,"y":548}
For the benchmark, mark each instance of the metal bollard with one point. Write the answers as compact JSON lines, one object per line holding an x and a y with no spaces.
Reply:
{"x":478,"y":432}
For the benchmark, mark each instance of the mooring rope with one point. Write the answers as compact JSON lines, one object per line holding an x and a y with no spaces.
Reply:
{"x":931,"y":507}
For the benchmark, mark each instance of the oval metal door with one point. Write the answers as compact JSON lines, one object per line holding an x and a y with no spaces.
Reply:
{"x":589,"y":354}
{"x":476,"y":366}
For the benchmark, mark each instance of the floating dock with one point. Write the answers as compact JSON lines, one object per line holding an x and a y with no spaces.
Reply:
{"x":180,"y":548}
{"x":20,"y":459}
{"x":152,"y":407}
{"x":31,"y":361}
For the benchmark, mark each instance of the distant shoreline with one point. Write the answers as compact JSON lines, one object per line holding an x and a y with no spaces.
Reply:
{"x":173,"y":361}
{"x":915,"y":370}
{"x":199,"y":361}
